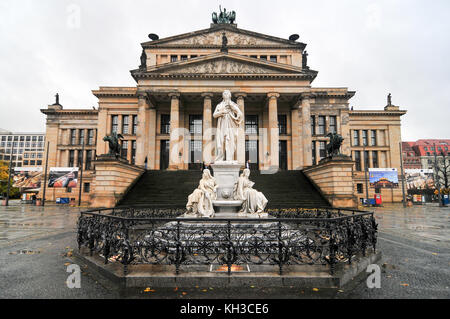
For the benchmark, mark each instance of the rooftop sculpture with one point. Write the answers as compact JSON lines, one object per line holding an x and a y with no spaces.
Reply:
{"x":224,"y":16}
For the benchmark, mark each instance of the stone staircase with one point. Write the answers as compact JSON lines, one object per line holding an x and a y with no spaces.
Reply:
{"x":172,"y":188}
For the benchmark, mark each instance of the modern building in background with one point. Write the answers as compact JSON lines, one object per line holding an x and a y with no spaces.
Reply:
{"x":25,"y":148}
{"x":167,"y":117}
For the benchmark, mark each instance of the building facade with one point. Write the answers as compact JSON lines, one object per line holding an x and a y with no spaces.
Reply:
{"x":167,"y":118}
{"x":25,"y":148}
{"x":427,"y":152}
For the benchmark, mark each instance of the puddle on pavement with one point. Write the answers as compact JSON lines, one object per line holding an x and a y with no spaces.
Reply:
{"x":25,"y":252}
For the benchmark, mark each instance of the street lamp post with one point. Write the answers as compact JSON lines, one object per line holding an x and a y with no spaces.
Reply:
{"x":9,"y":174}
{"x":403,"y":175}
{"x":45,"y":175}
{"x":81,"y":173}
{"x":438,"y":183}
{"x":365,"y":173}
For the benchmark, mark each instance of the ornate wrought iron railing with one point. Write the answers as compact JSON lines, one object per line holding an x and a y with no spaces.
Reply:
{"x":322,"y":236}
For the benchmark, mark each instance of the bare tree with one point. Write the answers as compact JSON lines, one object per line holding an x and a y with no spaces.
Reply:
{"x":443,"y":169}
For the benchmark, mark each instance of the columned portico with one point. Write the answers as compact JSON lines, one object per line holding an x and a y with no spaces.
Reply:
{"x":273,"y":130}
{"x":174,"y":153}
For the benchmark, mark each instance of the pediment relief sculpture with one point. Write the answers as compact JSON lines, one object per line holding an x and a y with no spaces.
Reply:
{"x":215,"y":38}
{"x":223,"y":66}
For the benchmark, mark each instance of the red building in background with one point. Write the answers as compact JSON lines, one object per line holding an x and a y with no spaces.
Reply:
{"x":420,"y":154}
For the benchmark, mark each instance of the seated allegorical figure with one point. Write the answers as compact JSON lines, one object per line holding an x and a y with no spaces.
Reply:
{"x":254,"y":202}
{"x":200,"y":202}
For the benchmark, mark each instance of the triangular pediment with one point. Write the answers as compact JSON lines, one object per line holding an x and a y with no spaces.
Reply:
{"x":213,"y":37}
{"x":226,"y":64}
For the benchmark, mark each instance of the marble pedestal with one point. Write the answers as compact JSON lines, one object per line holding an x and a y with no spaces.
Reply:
{"x":226,"y":175}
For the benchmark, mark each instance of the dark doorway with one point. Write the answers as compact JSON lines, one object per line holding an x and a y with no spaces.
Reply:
{"x":251,"y":154}
{"x":164,"y":155}
{"x":195,"y":155}
{"x":282,"y":155}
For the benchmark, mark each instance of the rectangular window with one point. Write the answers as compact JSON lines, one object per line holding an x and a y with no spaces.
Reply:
{"x":38,"y":162}
{"x":375,"y":159}
{"x":313,"y":151}
{"x":322,"y":150}
{"x":321,"y":125}
{"x":87,"y":187}
{"x":273,"y":58}
{"x":80,"y":137}
{"x":135,"y":124}
{"x":71,"y":159}
{"x":88,"y":165}
{"x":373,"y":137}
{"x":195,"y":124}
{"x":69,"y":190}
{"x":254,"y":56}
{"x":165,"y":124}
{"x":333,"y":124}
{"x":133,"y":152}
{"x":282,"y":124}
{"x":366,"y":160}
{"x":251,"y":124}
{"x":125,"y":149}
{"x":80,"y":158}
{"x":115,"y":124}
{"x":364,"y":137}
{"x":358,"y":160}
{"x":263,"y":57}
{"x":91,"y":137}
{"x":193,"y":56}
{"x":25,"y":162}
{"x":359,"y":188}
{"x":173,"y":58}
{"x":313,"y":124}
{"x":73,"y":137}
{"x":355,"y":138}
{"x":125,"y":124}
{"x":28,"y":138}
{"x":40,"y":138}
{"x":184,"y":57}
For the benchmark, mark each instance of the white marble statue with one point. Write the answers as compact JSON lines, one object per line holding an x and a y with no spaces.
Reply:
{"x":200,"y":202}
{"x":254,"y":202}
{"x":229,"y":118}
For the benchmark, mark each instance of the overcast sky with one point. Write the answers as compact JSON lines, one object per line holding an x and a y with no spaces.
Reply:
{"x":372,"y":47}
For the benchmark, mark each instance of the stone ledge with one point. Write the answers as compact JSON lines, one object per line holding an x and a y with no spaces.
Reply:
{"x":159,"y":276}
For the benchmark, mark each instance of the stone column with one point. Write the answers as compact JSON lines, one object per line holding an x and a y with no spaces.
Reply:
{"x":207,"y":128}
{"x":174,"y":158}
{"x":151,"y":133}
{"x":297,"y":147}
{"x":306,"y":130}
{"x":141,"y":141}
{"x":273,"y":130}
{"x":241,"y":131}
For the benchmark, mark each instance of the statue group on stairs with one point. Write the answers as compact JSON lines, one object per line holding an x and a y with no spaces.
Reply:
{"x":230,"y":189}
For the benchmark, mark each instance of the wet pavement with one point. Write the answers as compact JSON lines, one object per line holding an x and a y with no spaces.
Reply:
{"x":36,"y":244}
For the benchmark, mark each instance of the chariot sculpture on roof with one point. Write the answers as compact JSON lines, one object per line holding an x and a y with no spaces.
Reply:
{"x":224,"y":16}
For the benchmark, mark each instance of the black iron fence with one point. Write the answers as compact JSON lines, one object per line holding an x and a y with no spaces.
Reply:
{"x":322,"y":236}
